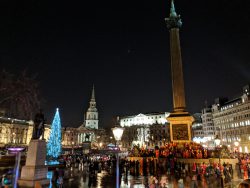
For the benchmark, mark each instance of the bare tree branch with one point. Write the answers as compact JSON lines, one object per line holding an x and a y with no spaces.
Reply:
{"x":19,"y":95}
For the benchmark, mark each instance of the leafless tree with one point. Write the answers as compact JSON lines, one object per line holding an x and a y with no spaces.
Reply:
{"x":19,"y":95}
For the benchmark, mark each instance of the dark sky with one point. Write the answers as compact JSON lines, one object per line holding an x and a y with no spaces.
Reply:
{"x":123,"y":48}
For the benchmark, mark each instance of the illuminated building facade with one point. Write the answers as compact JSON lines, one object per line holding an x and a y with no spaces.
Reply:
{"x":203,"y":129}
{"x":17,"y":132}
{"x":74,"y":137}
{"x":147,"y":130}
{"x":232,"y":120}
{"x":197,"y":128}
{"x":208,"y":124}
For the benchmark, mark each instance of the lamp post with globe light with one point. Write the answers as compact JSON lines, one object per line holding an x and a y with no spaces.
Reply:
{"x":117,"y":131}
{"x":100,"y":145}
{"x":217,"y":142}
{"x":236,"y":145}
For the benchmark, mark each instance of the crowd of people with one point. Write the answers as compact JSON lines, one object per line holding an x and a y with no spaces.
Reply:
{"x":147,"y":167}
{"x":157,"y":164}
{"x":178,"y":150}
{"x":196,"y":172}
{"x":190,"y":150}
{"x":244,"y":165}
{"x":87,"y":164}
{"x":166,"y":163}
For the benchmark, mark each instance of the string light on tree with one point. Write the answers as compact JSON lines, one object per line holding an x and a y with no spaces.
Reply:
{"x":54,"y":147}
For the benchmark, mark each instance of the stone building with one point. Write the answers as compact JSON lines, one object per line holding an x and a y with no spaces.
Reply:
{"x":17,"y":132}
{"x":147,"y":130}
{"x":208,"y":127}
{"x":197,"y":128}
{"x":75,"y":137}
{"x":232,"y":120}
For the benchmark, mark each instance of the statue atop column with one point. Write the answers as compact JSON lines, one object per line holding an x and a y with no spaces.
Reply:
{"x":38,"y":128}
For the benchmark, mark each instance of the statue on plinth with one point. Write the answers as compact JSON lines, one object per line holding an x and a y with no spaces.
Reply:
{"x":35,"y":169}
{"x":87,"y":137}
{"x":38,"y":128}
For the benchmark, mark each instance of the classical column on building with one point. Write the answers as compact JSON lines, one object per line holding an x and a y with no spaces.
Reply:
{"x":180,"y":120}
{"x":26,"y":136}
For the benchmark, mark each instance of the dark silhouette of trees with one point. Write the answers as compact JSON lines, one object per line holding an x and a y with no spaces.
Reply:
{"x":19,"y":95}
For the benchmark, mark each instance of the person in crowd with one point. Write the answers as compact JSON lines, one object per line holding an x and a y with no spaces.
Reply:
{"x":55,"y":176}
{"x":60,"y":178}
{"x":152,"y":182}
{"x":3,"y":178}
{"x":244,"y":184}
{"x":155,"y":180}
{"x":227,"y":174}
{"x":137,"y":165}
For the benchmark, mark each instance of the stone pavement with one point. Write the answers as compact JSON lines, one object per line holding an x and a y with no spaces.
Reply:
{"x":79,"y":178}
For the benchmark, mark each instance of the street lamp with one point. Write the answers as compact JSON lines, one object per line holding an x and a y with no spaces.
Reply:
{"x":117,"y":132}
{"x":100,"y":145}
{"x":236,"y":144}
{"x":217,"y":140}
{"x":18,"y":152}
{"x":217,"y":144}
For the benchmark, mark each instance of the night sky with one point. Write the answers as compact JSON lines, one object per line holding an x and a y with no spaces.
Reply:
{"x":122,"y":47}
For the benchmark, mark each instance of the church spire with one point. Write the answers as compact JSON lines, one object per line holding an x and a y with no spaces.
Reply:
{"x":91,"y":120}
{"x":92,"y":100}
{"x":93,"y":92}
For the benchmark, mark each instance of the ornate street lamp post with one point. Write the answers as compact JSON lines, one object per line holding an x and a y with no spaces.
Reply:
{"x":117,"y":131}
{"x":217,"y":145}
{"x":18,"y":153}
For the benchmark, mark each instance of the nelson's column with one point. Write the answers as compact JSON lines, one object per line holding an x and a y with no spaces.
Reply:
{"x":180,"y":120}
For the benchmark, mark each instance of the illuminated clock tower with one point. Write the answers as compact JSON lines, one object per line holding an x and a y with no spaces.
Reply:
{"x":180,"y":120}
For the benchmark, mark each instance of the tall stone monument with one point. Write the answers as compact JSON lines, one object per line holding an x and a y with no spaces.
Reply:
{"x":35,"y":169}
{"x":180,"y":120}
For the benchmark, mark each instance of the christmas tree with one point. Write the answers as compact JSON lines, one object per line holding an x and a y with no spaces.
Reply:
{"x":54,"y":147}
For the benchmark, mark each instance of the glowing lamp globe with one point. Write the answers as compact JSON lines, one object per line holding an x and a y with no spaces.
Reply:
{"x":117,"y":132}
{"x":236,"y":144}
{"x":217,"y":141}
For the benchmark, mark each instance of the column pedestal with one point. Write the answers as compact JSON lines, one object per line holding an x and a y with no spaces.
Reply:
{"x":35,"y":169}
{"x":180,"y":126}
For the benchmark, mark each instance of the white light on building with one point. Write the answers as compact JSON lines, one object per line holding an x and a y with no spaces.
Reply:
{"x":246,"y":150}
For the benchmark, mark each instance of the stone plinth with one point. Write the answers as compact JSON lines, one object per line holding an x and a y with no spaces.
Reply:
{"x":34,"y":169}
{"x":180,"y":126}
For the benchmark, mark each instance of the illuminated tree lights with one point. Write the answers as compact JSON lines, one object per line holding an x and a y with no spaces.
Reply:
{"x":54,"y":147}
